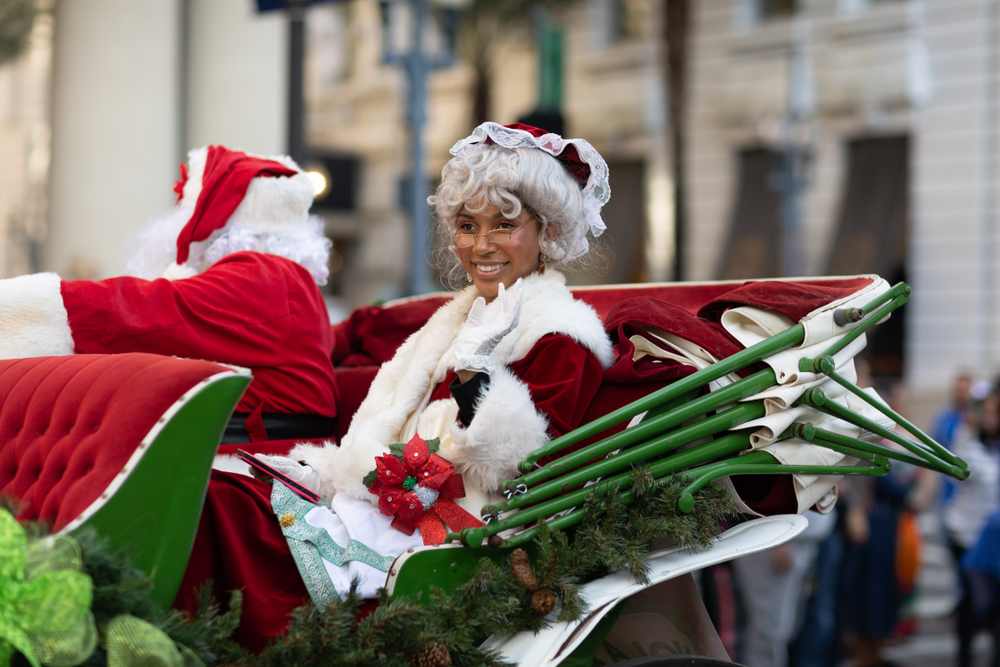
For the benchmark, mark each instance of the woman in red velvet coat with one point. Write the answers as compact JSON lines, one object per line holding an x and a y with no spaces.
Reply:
{"x":510,"y":362}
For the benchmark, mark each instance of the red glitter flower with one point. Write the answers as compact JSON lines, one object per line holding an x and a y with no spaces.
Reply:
{"x":416,"y":487}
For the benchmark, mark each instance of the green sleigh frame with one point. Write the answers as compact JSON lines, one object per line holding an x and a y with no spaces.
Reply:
{"x":674,"y":431}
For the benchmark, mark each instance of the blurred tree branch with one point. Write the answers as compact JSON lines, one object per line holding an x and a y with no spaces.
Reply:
{"x":485,"y":25}
{"x":16,"y":20}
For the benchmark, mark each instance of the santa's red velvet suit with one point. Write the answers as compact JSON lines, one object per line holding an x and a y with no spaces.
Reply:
{"x":251,"y":309}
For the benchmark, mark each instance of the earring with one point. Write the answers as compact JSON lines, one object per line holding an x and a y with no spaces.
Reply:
{"x":469,"y":276}
{"x":541,"y":263}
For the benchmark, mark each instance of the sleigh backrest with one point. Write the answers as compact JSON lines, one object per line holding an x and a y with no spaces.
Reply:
{"x":371,"y":334}
{"x":122,"y":443}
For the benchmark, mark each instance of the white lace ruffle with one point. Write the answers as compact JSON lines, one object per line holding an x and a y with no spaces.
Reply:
{"x":477,"y":363}
{"x":596,"y":192}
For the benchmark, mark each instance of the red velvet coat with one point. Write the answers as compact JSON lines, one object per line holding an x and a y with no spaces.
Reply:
{"x":250,"y":309}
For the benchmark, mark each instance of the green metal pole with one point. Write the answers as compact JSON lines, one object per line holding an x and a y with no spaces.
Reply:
{"x":639,"y":454}
{"x":728,"y":444}
{"x":816,"y":398}
{"x":763,"y":463}
{"x":748,"y":386}
{"x":738,"y":361}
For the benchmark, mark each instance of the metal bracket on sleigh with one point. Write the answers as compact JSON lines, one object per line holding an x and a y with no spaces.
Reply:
{"x":666,"y":438}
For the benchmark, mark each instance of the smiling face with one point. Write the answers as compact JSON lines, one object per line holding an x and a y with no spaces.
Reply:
{"x":490,"y":263}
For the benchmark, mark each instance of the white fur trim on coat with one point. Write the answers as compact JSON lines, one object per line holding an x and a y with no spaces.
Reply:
{"x":401,"y":386}
{"x":398,"y":397}
{"x":33,"y":319}
{"x":506,"y":428}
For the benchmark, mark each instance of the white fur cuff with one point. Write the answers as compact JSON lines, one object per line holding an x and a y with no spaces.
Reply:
{"x":33,"y":319}
{"x":506,"y":428}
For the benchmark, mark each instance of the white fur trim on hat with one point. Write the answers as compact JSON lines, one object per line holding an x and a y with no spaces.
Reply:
{"x":33,"y":318}
{"x":178,"y":271}
{"x":271,"y":203}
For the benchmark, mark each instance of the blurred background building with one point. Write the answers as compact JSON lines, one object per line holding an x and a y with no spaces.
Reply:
{"x":746,"y":138}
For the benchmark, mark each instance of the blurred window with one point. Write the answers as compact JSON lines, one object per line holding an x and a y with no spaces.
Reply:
{"x":342,"y":261}
{"x":871,"y":234}
{"x":753,"y":249}
{"x":772,"y":9}
{"x":632,"y":19}
{"x":871,"y":226}
{"x":617,"y":21}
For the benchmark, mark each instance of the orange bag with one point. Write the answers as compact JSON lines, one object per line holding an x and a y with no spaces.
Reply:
{"x":909,"y":547}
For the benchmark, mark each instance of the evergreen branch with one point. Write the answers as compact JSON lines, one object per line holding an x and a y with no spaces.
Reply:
{"x":613,"y":535}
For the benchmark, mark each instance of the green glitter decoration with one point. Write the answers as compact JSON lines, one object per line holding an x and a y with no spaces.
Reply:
{"x":409,"y":483}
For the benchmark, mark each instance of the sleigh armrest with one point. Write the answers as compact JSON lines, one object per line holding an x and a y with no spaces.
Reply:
{"x":121,"y":443}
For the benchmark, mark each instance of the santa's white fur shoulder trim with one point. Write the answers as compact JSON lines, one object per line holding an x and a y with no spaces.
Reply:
{"x":33,"y":318}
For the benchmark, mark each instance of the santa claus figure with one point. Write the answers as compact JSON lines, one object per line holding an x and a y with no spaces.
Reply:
{"x":230,"y":275}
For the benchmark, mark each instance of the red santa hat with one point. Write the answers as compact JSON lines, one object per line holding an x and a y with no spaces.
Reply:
{"x":230,"y":187}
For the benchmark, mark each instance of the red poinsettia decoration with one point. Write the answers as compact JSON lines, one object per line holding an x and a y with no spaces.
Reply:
{"x":417,"y":488}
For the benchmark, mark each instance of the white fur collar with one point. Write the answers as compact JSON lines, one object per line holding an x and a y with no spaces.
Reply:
{"x":403,"y":385}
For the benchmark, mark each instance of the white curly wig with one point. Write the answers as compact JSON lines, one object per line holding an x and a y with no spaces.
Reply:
{"x":510,"y":178}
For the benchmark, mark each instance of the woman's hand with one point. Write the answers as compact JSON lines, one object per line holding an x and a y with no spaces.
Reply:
{"x":300,"y":472}
{"x":478,"y":339}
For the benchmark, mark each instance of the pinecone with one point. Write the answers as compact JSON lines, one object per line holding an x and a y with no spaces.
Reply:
{"x":543,"y":601}
{"x":521,"y":567}
{"x":435,"y":655}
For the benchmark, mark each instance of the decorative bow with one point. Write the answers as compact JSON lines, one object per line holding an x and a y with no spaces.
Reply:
{"x":417,"y":488}
{"x":44,"y":599}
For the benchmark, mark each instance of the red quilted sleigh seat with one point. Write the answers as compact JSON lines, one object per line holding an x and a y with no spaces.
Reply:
{"x":120,"y":442}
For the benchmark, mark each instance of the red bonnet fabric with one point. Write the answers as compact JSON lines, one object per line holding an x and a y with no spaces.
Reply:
{"x":569,"y":157}
{"x":224,"y":183}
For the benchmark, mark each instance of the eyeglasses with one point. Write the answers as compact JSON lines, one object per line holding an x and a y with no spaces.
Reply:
{"x":495,"y":237}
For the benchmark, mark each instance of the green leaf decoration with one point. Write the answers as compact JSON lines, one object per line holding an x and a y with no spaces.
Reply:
{"x":434,"y":444}
{"x":396,"y":449}
{"x":370,"y":478}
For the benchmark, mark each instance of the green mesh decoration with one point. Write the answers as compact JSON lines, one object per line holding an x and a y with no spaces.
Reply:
{"x":44,"y":599}
{"x":133,"y":642}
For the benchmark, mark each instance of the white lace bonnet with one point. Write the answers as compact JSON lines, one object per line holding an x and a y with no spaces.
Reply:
{"x":580,"y":159}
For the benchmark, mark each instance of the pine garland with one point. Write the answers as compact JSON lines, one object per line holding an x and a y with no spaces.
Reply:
{"x":613,"y":536}
{"x":121,"y":588}
{"x":448,"y":628}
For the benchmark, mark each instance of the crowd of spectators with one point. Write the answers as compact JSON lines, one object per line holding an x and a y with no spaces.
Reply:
{"x":842,"y":591}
